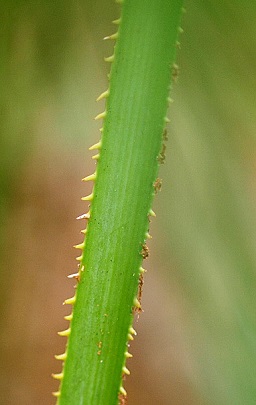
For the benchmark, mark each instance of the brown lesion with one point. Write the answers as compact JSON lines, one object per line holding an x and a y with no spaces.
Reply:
{"x":157,"y":185}
{"x":161,"y":157}
{"x":144,"y":251}
{"x":165,"y":135}
{"x":140,"y":288}
{"x":122,"y":399}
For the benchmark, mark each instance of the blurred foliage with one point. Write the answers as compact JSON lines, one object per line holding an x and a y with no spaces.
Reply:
{"x":210,"y":201}
{"x":202,"y":282}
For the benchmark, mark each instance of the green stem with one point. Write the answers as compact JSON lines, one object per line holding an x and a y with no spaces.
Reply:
{"x":117,"y":229}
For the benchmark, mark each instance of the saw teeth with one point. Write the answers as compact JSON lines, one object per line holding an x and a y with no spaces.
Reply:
{"x":62,"y":356}
{"x":58,"y":376}
{"x":117,"y":22}
{"x":80,"y":246}
{"x":68,"y":317}
{"x":113,"y":36}
{"x":84,"y":216}
{"x":126,"y":371}
{"x":88,"y":197}
{"x":110,"y":58}
{"x":122,"y":391}
{"x":96,"y":157}
{"x":152,"y":213}
{"x":64,"y":332}
{"x":132,"y":331}
{"x":74,"y":275}
{"x":105,"y":94}
{"x":100,"y":116}
{"x":136,"y":303}
{"x":91,"y":177}
{"x":95,"y":146}
{"x":70,"y":301}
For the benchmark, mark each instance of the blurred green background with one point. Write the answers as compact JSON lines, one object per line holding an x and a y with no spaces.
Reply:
{"x":196,"y":340}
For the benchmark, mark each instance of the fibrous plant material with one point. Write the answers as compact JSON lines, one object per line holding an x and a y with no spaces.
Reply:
{"x":109,"y":279}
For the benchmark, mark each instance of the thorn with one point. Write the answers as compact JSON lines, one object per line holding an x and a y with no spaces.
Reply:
{"x":91,"y":177}
{"x":70,"y":301}
{"x":148,"y":236}
{"x":136,"y":303}
{"x":61,"y":356}
{"x":113,"y":36}
{"x":79,"y":258}
{"x":84,"y":231}
{"x":80,"y":246}
{"x":64,"y":332}
{"x":152,"y":213}
{"x":84,"y":216}
{"x":56,"y":394}
{"x":110,"y":58}
{"x":101,"y":115}
{"x":74,"y":275}
{"x":68,"y":317}
{"x":95,"y":146}
{"x":126,"y":371}
{"x":117,"y":22}
{"x":101,"y":129}
{"x":142,"y":270}
{"x":170,"y":100}
{"x":128,"y":355}
{"x":175,"y":72}
{"x":180,"y":30}
{"x":87,"y":198}
{"x":96,"y":157}
{"x":130,"y":337}
{"x":58,"y":376}
{"x":167,"y":120}
{"x":132,"y":331}
{"x":122,"y":391}
{"x":105,"y":94}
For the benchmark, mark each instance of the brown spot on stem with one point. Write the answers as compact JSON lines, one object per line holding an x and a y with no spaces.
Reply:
{"x":122,"y":399}
{"x":140,"y":288}
{"x":157,"y":185}
{"x":145,"y":251}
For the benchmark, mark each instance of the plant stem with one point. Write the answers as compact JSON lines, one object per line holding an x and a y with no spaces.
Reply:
{"x":122,"y":196}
